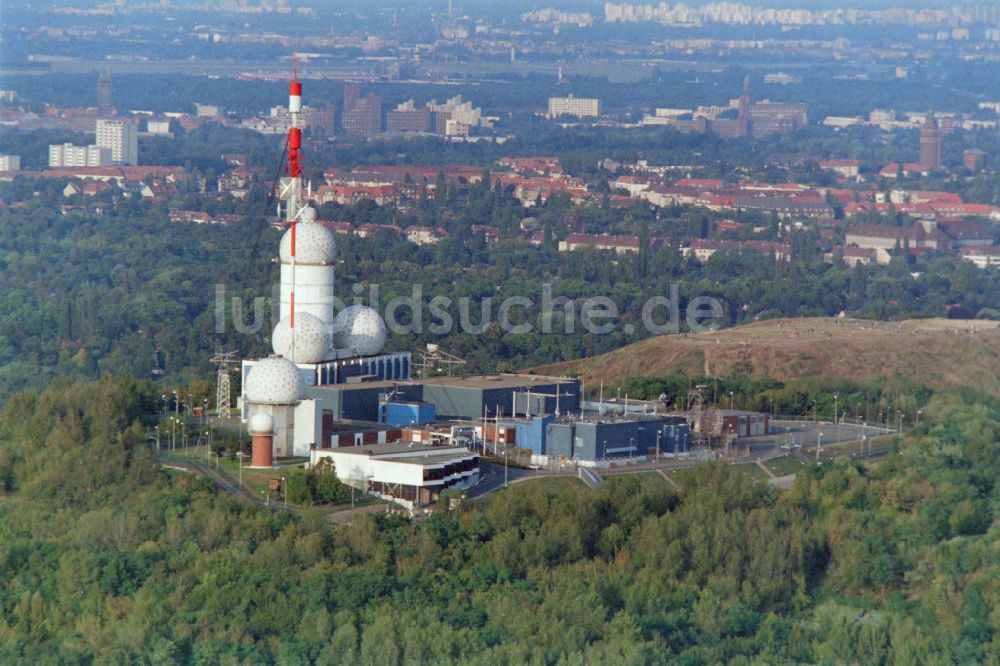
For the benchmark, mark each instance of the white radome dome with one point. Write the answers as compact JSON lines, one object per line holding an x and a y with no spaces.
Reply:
{"x":261,"y":423}
{"x":314,"y":245}
{"x":360,"y":329}
{"x":311,"y":339}
{"x":274,"y":381}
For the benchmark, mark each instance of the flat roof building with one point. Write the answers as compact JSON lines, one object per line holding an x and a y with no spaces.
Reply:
{"x":10,"y":162}
{"x":68,"y":155}
{"x":462,"y":397}
{"x":412,"y":475}
{"x":581,"y":107}
{"x":121,"y":137}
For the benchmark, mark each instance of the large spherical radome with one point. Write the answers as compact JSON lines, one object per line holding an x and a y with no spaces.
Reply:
{"x":274,"y":381}
{"x":261,"y":423}
{"x":314,"y":245}
{"x":311,"y":339}
{"x":360,"y":329}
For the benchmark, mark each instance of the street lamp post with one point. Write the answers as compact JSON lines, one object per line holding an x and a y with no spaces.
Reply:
{"x":658,"y":433}
{"x":819,"y":442}
{"x":505,"y":464}
{"x":239,"y":457}
{"x":730,"y":401}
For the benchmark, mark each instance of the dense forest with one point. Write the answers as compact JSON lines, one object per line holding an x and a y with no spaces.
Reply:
{"x":104,"y":557}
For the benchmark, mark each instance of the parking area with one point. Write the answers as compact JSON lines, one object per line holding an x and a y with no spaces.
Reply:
{"x":808,"y":435}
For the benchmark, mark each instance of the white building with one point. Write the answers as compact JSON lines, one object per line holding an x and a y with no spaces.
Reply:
{"x":161,"y":127}
{"x":122,"y":137}
{"x":461,"y":112}
{"x":10,"y":162}
{"x":208,"y":110}
{"x":68,"y":155}
{"x":413,"y":475}
{"x":581,"y":107}
{"x":983,"y":256}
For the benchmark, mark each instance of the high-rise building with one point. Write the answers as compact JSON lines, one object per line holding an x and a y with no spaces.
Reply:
{"x":104,"y":103}
{"x":68,"y":155}
{"x":973,"y":159}
{"x":930,"y":145}
{"x":765,"y":117}
{"x":121,"y":137}
{"x":408,"y":118}
{"x":352,"y":93}
{"x":364,"y":118}
{"x":10,"y":162}
{"x":580,"y":107}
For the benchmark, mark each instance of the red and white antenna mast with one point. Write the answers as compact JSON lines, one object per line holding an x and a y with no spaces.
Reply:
{"x":293,"y":191}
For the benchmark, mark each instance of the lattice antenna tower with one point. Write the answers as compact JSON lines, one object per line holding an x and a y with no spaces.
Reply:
{"x":227,"y":362}
{"x":433,"y":358}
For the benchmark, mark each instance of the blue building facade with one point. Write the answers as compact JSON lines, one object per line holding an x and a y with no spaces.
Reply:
{"x":595,"y":440}
{"x":406,"y":413}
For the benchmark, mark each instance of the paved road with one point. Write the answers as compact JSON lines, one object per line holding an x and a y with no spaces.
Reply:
{"x":222,"y":482}
{"x":763,"y":448}
{"x":491,"y":477}
{"x":231,"y":487}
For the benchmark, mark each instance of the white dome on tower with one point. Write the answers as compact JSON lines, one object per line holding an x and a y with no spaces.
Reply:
{"x":360,"y":329}
{"x":261,"y":423}
{"x":314,"y":245}
{"x":274,"y":381}
{"x":311,"y":339}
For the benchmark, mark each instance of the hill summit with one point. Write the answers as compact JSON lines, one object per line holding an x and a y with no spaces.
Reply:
{"x":939,"y":353}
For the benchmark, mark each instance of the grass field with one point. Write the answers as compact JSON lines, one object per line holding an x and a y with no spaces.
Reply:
{"x":940,"y":353}
{"x":783,"y":466}
{"x":754,"y":471}
{"x":256,"y":480}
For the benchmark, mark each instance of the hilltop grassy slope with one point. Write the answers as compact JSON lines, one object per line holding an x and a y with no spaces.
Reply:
{"x":937,"y":352}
